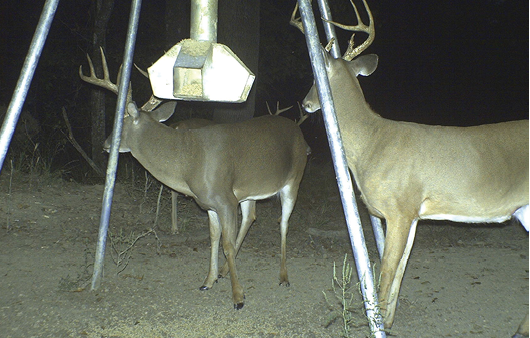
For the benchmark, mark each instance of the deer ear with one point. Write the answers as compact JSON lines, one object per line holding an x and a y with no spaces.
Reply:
{"x":132,"y":110}
{"x":364,"y":65}
{"x":164,"y":112}
{"x":326,"y":56}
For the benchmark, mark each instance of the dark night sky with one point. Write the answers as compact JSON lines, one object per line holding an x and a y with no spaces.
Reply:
{"x":452,"y":62}
{"x":442,"y":62}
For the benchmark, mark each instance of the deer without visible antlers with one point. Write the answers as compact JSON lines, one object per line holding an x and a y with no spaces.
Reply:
{"x":221,"y":166}
{"x":408,"y":172}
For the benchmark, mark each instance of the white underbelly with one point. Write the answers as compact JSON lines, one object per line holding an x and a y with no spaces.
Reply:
{"x":466,"y":219}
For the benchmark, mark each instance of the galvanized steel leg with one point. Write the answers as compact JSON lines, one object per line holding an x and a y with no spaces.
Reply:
{"x":329,"y":29}
{"x":113,"y":158}
{"x":26,"y":75}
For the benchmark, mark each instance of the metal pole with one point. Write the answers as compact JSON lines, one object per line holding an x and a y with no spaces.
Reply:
{"x":329,"y":29}
{"x":379,"y":235}
{"x":362,"y":261}
{"x":26,"y":75}
{"x":116,"y":134}
{"x":203,"y":21}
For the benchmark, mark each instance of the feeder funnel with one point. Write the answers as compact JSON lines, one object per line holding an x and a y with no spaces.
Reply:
{"x":199,"y":69}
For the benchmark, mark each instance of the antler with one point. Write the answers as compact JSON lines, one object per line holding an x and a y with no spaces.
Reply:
{"x":153,"y":101}
{"x":352,"y":51}
{"x":105,"y":82}
{"x":296,"y":22}
{"x":143,"y":72}
{"x":278,"y":110}
{"x":303,"y":116}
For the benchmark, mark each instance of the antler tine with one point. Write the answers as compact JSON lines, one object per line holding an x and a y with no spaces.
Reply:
{"x":143,"y":72}
{"x":106,"y":76}
{"x":153,"y":101}
{"x":303,"y":116}
{"x":93,"y":79}
{"x":278,"y":110}
{"x":296,"y":22}
{"x":352,"y":51}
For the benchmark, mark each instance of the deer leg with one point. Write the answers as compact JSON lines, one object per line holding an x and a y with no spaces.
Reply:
{"x":288,"y":198}
{"x":174,"y":228}
{"x":215,"y":235}
{"x":248,"y":211}
{"x":228,"y":218}
{"x":398,"y":244}
{"x":523,"y":215}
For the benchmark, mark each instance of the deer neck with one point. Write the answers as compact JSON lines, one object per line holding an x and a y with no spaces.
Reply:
{"x":162,"y":150}
{"x":358,"y":123}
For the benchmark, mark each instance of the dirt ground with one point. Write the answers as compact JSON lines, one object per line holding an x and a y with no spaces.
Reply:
{"x":461,"y":281}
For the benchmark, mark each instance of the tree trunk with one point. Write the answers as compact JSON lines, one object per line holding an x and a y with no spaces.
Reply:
{"x":238,"y":28}
{"x":101,"y":11}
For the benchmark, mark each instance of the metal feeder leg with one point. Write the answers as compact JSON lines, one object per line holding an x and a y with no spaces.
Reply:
{"x":26,"y":75}
{"x":362,"y":261}
{"x":116,"y":134}
{"x":329,"y":29}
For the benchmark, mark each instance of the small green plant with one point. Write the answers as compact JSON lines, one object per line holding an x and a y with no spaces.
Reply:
{"x":343,"y":306}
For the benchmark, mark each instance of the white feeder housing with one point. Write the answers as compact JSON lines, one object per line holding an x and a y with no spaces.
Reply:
{"x":200,"y":71}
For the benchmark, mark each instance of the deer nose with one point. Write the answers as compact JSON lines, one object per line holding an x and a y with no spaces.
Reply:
{"x":308,"y":107}
{"x":106,"y":146}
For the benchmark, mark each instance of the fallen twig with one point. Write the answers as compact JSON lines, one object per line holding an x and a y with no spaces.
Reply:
{"x":78,"y":147}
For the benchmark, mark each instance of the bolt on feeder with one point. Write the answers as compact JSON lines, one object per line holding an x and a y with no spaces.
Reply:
{"x":199,"y":68}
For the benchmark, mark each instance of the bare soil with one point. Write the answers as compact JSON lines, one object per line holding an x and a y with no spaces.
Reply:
{"x":461,"y":280}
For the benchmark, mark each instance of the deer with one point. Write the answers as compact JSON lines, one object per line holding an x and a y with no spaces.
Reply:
{"x":408,"y":172}
{"x":220,"y":166}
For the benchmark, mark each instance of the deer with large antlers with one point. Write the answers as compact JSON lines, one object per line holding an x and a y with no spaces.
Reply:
{"x":408,"y":172}
{"x":221,"y":166}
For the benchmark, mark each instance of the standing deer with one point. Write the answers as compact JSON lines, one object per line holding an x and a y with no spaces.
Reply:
{"x":220,"y":166}
{"x":408,"y":172}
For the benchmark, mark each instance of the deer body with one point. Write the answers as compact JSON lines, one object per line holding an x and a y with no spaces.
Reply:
{"x":192,"y":123}
{"x":221,"y":166}
{"x":407,"y":171}
{"x":440,"y":168}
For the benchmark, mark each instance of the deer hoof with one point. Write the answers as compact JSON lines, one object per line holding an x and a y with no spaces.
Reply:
{"x":286,"y":283}
{"x":238,"y":306}
{"x":204,"y":288}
